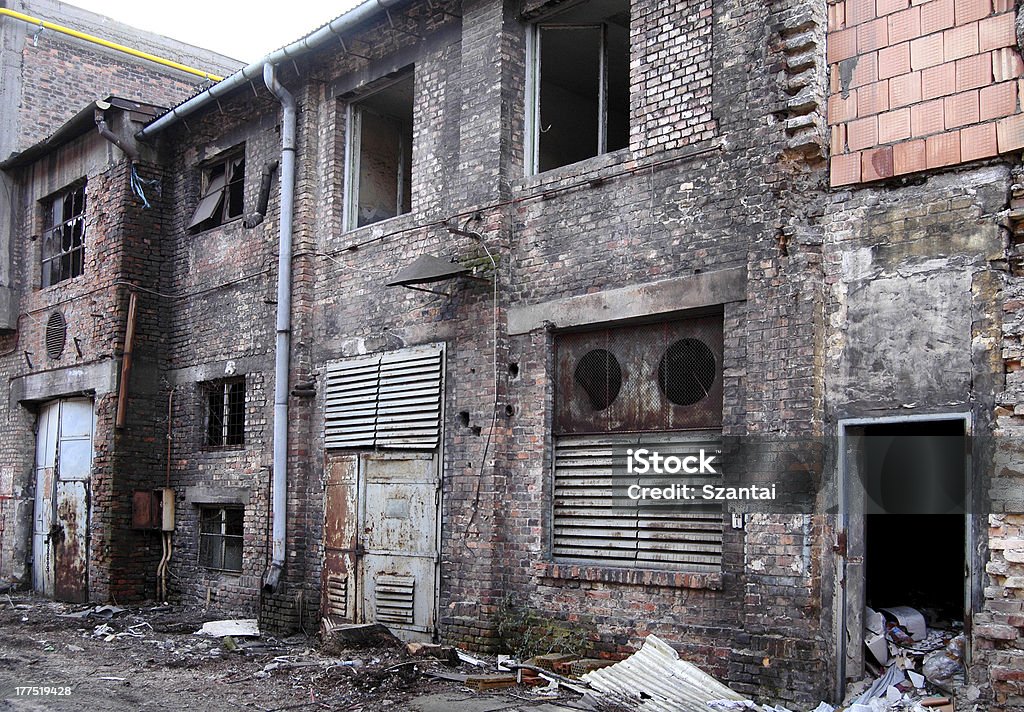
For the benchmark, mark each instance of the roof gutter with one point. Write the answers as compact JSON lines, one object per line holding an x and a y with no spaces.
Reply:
{"x":352,"y":18}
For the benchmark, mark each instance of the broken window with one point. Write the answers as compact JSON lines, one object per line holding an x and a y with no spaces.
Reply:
{"x":380,"y":150}
{"x":220,"y":538}
{"x":580,"y":84}
{"x":225,"y":413}
{"x":653,"y":386}
{"x":221,"y":188}
{"x":63,"y":248}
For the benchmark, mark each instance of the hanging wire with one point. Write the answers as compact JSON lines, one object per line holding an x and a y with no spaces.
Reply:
{"x":138,"y":186}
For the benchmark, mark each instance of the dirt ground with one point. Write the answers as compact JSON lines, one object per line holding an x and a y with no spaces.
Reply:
{"x":149,"y":658}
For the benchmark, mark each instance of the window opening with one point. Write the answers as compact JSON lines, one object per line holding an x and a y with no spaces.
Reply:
{"x":63,"y":249}
{"x":381,"y":150}
{"x":581,"y":95}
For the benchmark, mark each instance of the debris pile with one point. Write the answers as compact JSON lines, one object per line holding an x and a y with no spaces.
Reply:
{"x":915,"y":666}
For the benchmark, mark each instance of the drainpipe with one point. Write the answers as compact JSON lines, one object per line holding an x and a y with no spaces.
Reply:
{"x":100,"y":116}
{"x":284,"y":308}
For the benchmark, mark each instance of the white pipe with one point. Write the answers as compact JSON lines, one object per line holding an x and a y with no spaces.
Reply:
{"x":334,"y":29}
{"x":284,"y":310}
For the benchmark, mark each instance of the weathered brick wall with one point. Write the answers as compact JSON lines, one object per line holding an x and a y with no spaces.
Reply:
{"x":59,"y":74}
{"x":921,"y":85}
{"x":120,"y":249}
{"x":999,"y":628}
{"x":220,"y":294}
{"x":915,"y":275}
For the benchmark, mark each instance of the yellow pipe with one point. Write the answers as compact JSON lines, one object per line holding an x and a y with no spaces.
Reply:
{"x":4,"y":12}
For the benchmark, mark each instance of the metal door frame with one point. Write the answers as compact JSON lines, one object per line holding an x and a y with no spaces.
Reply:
{"x":842,"y":525}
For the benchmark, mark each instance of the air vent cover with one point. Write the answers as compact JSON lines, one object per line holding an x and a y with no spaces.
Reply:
{"x":649,"y":377}
{"x":56,"y":335}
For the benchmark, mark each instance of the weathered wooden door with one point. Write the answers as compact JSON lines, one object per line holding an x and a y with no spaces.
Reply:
{"x":61,"y":524}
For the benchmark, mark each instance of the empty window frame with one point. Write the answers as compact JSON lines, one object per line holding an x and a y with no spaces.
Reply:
{"x":380,"y":154}
{"x":221,"y":192}
{"x":225,"y":413}
{"x":579,"y":89}
{"x":63,"y":248}
{"x":220,"y":538}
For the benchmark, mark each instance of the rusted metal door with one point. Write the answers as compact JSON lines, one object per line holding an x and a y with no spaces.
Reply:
{"x":399,"y":498}
{"x":340,"y":584}
{"x":61,"y":530}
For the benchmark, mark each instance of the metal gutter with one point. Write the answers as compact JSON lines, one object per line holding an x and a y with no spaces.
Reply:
{"x":366,"y":11}
{"x":4,"y":12}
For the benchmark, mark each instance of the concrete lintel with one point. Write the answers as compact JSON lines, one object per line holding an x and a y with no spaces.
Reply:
{"x":662,"y":297}
{"x":98,"y":378}
{"x":219,"y":369}
{"x":216,"y":494}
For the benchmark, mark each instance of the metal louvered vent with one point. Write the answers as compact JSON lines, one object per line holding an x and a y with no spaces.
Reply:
{"x":337,"y":596}
{"x":56,"y":335}
{"x":595,"y":521}
{"x":650,"y":377}
{"x":391,"y":400}
{"x":393,"y":598}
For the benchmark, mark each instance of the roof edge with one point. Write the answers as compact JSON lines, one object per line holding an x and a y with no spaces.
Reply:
{"x":357,"y":15}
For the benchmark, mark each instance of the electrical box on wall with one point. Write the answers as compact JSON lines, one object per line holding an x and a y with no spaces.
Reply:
{"x":153,"y":509}
{"x":167,"y":509}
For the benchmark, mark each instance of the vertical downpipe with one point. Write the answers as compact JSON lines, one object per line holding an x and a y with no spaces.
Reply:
{"x":283,"y":346}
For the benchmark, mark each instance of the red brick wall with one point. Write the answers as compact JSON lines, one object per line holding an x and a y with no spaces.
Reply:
{"x":921,"y":84}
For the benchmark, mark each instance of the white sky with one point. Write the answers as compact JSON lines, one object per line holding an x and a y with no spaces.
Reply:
{"x":242,"y":30}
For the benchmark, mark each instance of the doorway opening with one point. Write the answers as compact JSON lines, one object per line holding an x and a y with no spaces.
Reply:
{"x":914,"y":529}
{"x":907,"y":485}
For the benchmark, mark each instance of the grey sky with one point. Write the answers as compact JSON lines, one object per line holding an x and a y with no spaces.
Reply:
{"x":244,"y":31}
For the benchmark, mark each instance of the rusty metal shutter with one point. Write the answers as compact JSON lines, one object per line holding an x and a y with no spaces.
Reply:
{"x":390,"y":400}
{"x":595,"y":522}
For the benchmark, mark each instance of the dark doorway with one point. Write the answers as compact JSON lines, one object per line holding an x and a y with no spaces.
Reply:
{"x":914,"y":529}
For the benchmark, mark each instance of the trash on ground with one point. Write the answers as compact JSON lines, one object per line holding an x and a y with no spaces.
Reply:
{"x":237,"y":628}
{"x":654,"y":679}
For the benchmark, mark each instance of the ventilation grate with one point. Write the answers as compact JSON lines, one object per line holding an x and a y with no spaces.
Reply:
{"x":649,"y":377}
{"x":393,"y":599}
{"x":56,"y":335}
{"x":337,"y":596}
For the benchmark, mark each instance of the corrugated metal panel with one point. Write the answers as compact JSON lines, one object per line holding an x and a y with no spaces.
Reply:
{"x":393,"y":599}
{"x":595,"y":521}
{"x":654,"y":679}
{"x":390,"y":400}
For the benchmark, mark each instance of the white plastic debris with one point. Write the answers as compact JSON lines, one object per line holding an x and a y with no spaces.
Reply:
{"x":916,"y":678}
{"x":910,"y":619}
{"x":239,"y":628}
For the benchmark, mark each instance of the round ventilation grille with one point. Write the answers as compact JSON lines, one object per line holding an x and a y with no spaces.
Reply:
{"x":686,"y":372}
{"x":599,"y":375}
{"x":56,"y":335}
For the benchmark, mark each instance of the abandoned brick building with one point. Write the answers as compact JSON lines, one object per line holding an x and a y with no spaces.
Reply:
{"x":400,"y":293}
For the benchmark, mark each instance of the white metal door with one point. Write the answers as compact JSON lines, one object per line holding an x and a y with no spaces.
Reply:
{"x":399,"y":501}
{"x":61,"y":529}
